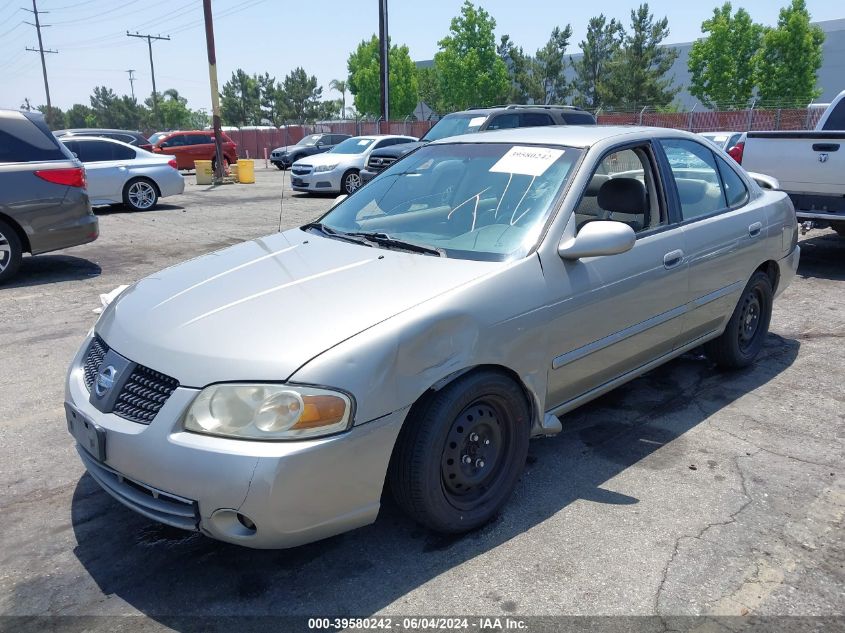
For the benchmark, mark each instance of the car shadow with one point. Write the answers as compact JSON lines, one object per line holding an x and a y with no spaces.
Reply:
{"x":175,"y":576}
{"x":823,"y":257}
{"x":48,"y":269}
{"x":115,"y":209}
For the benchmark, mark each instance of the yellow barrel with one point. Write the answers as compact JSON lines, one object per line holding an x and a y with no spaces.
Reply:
{"x":246,"y":170}
{"x":205,"y":175}
{"x":233,"y":172}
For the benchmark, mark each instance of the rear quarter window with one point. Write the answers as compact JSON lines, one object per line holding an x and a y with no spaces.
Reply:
{"x":22,"y":141}
{"x":579,"y":118}
{"x":836,"y":120}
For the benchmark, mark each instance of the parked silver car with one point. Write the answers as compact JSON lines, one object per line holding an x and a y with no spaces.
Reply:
{"x":423,"y":330}
{"x":338,"y":170}
{"x":118,"y":172}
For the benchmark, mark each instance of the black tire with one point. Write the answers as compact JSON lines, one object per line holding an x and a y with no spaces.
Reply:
{"x":351,"y":182}
{"x":484,"y":417}
{"x":11,"y":252}
{"x":746,"y":331}
{"x":140,"y":194}
{"x":280,"y":166}
{"x":839,"y":227}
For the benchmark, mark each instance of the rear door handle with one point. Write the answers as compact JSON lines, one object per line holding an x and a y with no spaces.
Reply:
{"x":673,"y":258}
{"x":754,"y":229}
{"x":825,"y":147}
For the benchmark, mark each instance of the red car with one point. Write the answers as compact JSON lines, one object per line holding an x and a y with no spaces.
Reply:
{"x":186,"y":147}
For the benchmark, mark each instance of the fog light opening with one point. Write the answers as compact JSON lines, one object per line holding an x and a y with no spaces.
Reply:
{"x":244,"y":520}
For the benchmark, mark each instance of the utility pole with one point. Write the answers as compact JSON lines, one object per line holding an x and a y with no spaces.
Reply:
{"x":150,"y":39}
{"x":215,"y":96}
{"x":132,"y":81}
{"x":34,"y":11}
{"x":384,"y":56}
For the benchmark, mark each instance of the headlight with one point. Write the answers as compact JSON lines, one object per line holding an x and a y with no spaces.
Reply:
{"x":323,"y":168}
{"x":268,"y":412}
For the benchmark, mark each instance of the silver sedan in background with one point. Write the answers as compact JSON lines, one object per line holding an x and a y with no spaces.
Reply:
{"x":121,"y":173}
{"x":423,"y":330}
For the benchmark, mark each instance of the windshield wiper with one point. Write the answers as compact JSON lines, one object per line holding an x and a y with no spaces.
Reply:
{"x":340,"y":235}
{"x":385,"y":240}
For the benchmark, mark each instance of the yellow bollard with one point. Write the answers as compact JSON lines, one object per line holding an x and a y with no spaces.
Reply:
{"x":246,"y":170}
{"x":205,"y":175}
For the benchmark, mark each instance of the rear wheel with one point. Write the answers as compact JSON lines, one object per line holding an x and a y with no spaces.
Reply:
{"x":461,"y":452}
{"x":746,"y":331}
{"x":140,"y":194}
{"x":10,"y":252}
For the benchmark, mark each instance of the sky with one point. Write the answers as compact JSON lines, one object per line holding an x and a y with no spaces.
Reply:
{"x":276,"y":36}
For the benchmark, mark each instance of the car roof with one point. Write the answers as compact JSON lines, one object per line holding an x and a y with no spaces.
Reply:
{"x":570,"y":135}
{"x":82,"y":130}
{"x":102,"y":139}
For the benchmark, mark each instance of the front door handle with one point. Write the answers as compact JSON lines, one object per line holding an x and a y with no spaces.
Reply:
{"x":673,"y":258}
{"x":754,"y":229}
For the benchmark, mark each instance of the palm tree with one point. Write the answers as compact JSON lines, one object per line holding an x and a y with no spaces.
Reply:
{"x":340,"y":86}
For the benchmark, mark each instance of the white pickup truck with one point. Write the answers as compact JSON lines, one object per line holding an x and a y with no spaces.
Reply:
{"x":809,"y":165}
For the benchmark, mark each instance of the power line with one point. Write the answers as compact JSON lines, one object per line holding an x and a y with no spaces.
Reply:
{"x":150,"y":39}
{"x":35,"y":12}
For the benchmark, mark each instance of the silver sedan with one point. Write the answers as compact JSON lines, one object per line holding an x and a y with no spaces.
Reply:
{"x":121,"y":173}
{"x":423,"y":330}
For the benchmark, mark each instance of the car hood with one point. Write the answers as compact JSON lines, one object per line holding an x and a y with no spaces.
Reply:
{"x":287,"y":148}
{"x":328,"y":158}
{"x":262,"y":309}
{"x":395,"y":151}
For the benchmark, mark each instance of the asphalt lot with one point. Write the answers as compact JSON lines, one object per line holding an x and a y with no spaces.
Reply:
{"x":688,"y":491}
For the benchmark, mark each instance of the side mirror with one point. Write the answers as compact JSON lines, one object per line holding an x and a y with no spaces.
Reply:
{"x":600,"y":237}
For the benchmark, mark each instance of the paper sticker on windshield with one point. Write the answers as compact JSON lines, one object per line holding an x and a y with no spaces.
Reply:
{"x":365,"y":141}
{"x":476,"y":121}
{"x":527,"y":161}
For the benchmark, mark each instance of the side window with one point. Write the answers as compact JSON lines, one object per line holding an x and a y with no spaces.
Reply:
{"x":22,"y":141}
{"x":534,"y":119}
{"x":177,"y":140}
{"x":504,"y":121}
{"x":696,"y":177}
{"x":122,"y":153}
{"x":623,"y":188}
{"x":735,"y":190}
{"x":385,"y":143}
{"x":836,"y":120}
{"x":96,"y":151}
{"x":579,"y":118}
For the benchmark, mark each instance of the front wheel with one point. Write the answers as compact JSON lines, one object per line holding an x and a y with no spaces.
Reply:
{"x":10,"y":252}
{"x":461,"y":451}
{"x":746,"y":331}
{"x":140,"y":194}
{"x":350,"y":182}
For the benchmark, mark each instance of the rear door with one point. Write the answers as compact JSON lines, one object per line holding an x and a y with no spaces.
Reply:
{"x":177,"y":146}
{"x":724,"y":232}
{"x":107,"y":168}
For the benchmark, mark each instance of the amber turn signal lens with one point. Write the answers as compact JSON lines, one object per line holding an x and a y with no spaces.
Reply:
{"x":320,"y":411}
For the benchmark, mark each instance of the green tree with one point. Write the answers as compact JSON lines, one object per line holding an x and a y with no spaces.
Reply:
{"x":525,"y":84}
{"x":469,"y":70}
{"x":173,"y":111}
{"x":55,"y":118}
{"x":240,"y":100}
{"x":301,"y":96}
{"x":721,"y":64}
{"x":429,"y":88}
{"x":340,"y":86}
{"x":603,"y":41}
{"x":550,"y":66}
{"x":364,"y":79}
{"x":789,"y":58}
{"x":109,"y":110}
{"x":199,"y":119}
{"x":79,"y":115}
{"x":637,"y":71}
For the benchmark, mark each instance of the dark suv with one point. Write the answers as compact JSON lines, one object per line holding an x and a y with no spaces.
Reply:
{"x":44,"y":205}
{"x":131,"y":137}
{"x":477,"y":120}
{"x":285,"y":156}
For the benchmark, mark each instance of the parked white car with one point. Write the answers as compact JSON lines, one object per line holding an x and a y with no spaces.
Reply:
{"x":338,"y":170}
{"x":120,"y":173}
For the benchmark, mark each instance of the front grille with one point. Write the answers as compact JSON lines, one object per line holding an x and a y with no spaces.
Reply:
{"x":156,"y":504}
{"x":141,"y":396}
{"x":301,"y":170}
{"x":379,"y":163}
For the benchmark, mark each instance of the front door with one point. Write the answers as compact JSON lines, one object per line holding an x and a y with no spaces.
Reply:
{"x":611,"y":315}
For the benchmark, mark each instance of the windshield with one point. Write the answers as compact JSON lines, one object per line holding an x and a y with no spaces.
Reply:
{"x":157,"y":136}
{"x":356,"y":145}
{"x":454,"y":124}
{"x":310,"y":140}
{"x":486,"y":201}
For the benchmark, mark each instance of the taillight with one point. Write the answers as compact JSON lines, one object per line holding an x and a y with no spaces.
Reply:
{"x":172,"y":163}
{"x":73,"y":177}
{"x":736,"y":152}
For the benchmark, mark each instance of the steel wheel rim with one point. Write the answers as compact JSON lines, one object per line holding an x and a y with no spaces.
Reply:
{"x":141,"y":195}
{"x":474,"y":456}
{"x":353,"y":182}
{"x":749,"y":319}
{"x":5,"y":252}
